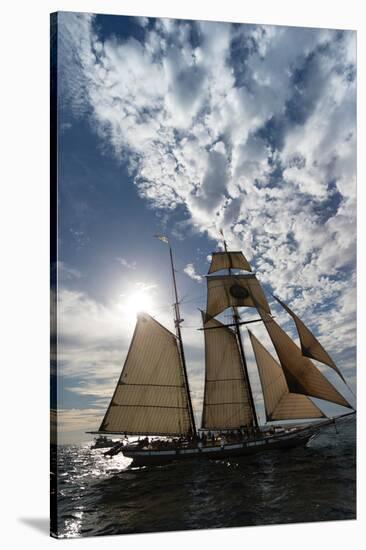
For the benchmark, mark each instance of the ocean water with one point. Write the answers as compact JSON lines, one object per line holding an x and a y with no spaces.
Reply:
{"x":103,"y":496}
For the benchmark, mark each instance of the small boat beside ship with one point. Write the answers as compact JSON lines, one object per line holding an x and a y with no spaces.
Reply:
{"x":102,"y":442}
{"x":152,"y":397}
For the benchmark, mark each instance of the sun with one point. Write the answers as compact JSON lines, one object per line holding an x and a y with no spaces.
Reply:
{"x":138,"y":300}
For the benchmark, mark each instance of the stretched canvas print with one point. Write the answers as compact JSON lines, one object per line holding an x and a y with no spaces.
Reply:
{"x":203,"y":253}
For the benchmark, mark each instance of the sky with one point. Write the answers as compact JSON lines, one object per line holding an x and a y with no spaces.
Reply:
{"x":186,"y":128}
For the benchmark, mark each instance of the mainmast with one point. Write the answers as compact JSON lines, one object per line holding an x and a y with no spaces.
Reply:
{"x":287,"y":385}
{"x":236,"y":319}
{"x":177,"y":322}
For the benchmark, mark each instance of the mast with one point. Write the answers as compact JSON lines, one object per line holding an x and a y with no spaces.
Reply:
{"x":177,"y":322}
{"x":236,"y":318}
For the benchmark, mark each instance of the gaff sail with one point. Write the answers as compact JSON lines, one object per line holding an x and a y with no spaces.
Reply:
{"x":279,"y":403}
{"x":150,"y":397}
{"x":310,"y":346}
{"x":226,"y":395}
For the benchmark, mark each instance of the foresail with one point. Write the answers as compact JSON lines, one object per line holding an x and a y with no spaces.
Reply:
{"x":301,"y":374}
{"x":228,"y":260}
{"x":310,"y":346}
{"x":225,"y":291}
{"x":279,"y":403}
{"x":150,"y":397}
{"x":226,"y":398}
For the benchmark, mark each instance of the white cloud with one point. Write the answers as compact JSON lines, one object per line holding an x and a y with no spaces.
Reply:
{"x":65,"y":126}
{"x":125,"y":263}
{"x":82,"y":319}
{"x":172,"y":136}
{"x":70,"y":420}
{"x":190,"y":132}
{"x":65,"y":272}
{"x":191,"y":272}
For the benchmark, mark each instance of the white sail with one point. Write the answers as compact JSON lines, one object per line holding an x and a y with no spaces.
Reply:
{"x":225,"y":291}
{"x":150,"y":397}
{"x":228,"y":260}
{"x":279,"y":403}
{"x":226,"y":398}
{"x":310,"y":346}
{"x":301,"y":374}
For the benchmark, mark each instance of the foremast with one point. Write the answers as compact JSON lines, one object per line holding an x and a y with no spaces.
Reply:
{"x":177,"y":322}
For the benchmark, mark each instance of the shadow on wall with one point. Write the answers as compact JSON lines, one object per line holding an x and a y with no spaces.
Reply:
{"x":40,"y":524}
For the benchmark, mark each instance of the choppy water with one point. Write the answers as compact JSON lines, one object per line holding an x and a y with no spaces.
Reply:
{"x":101,"y":496}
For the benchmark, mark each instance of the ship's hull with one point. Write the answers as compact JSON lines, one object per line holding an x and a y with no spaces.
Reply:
{"x":147,"y":456}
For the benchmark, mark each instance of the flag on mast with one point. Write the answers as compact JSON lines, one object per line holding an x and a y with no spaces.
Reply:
{"x":162,"y":238}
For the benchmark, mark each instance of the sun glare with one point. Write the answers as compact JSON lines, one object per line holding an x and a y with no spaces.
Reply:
{"x":139,"y":301}
{"x":136,"y":301}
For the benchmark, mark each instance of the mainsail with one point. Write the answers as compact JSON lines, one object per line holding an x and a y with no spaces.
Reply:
{"x":279,"y":403}
{"x":226,"y":396}
{"x":228,"y":260}
{"x":310,"y":346}
{"x":225,"y":291}
{"x":301,"y":374}
{"x":151,"y":396}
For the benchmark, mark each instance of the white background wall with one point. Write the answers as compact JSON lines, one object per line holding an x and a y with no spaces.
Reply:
{"x":24,"y":121}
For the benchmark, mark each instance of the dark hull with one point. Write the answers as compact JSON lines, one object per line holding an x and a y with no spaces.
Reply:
{"x":146,"y":456}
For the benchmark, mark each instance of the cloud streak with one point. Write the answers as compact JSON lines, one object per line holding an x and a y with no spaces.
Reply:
{"x":125,"y":263}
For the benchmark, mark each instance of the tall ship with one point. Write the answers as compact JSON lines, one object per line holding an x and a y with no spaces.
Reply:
{"x":152,"y":398}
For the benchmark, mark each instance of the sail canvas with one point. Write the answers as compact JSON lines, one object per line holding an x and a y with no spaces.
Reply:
{"x":310,"y":346}
{"x":150,"y":397}
{"x":203,"y":274}
{"x":225,"y":291}
{"x":226,"y":402}
{"x":279,"y":402}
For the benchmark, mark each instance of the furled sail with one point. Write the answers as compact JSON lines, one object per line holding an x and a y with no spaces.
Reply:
{"x":150,"y":397}
{"x":228,"y":260}
{"x":310,"y":346}
{"x":279,"y":403}
{"x":301,"y":374}
{"x":226,"y":398}
{"x":225,"y":291}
